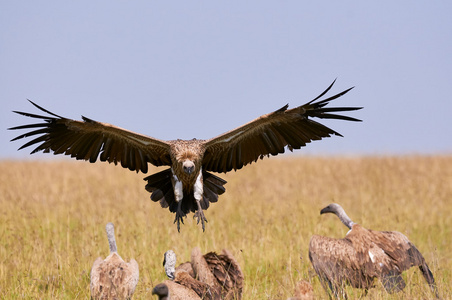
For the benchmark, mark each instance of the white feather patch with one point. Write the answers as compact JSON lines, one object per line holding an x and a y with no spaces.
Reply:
{"x":371,"y":256}
{"x":178,"y":187}
{"x":233,"y":136}
{"x":138,"y":140}
{"x":199,"y":190}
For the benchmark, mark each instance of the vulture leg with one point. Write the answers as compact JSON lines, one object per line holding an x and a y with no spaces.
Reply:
{"x":200,"y":215}
{"x":178,"y":195}
{"x":179,"y":215}
{"x":198,"y":193}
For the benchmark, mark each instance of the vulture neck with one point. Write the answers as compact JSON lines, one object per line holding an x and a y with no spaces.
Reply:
{"x":340,"y":212}
{"x":111,"y":237}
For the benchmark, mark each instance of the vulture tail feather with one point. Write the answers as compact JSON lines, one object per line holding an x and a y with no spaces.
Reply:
{"x":214,"y":183}
{"x":429,"y":278}
{"x":159,"y":184}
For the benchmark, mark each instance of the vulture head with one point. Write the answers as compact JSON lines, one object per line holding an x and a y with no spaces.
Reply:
{"x":332,"y":208}
{"x":161,"y":290}
{"x":169,"y":263}
{"x":187,"y":156}
{"x":336,"y":209}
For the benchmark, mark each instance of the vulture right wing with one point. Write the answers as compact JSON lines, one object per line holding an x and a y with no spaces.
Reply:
{"x":403,"y":255}
{"x":271,"y":133}
{"x":89,"y":140}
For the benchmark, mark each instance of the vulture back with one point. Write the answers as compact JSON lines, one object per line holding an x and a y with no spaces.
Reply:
{"x":113,"y":278}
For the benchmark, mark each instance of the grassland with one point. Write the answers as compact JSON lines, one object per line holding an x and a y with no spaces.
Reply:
{"x":53,"y":215}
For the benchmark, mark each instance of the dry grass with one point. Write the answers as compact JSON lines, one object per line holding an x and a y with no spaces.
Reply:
{"x":53,"y":216}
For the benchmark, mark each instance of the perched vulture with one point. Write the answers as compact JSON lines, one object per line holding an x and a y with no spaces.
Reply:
{"x":363,"y":255}
{"x":187,"y":186}
{"x":162,"y":291}
{"x":113,"y":278}
{"x":170,"y":290}
{"x":181,"y":280}
{"x":213,"y":276}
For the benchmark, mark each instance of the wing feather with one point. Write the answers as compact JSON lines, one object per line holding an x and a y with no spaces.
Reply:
{"x":90,"y":140}
{"x":403,"y":254}
{"x":337,"y":261}
{"x":271,"y":133}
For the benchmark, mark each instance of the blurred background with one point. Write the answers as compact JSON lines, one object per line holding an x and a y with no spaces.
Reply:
{"x":197,"y":69}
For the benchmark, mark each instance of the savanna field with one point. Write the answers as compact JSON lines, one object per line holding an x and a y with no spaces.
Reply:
{"x":53,"y":215}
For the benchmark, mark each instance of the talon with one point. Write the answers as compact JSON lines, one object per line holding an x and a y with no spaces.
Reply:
{"x":179,"y":217}
{"x":200,"y":215}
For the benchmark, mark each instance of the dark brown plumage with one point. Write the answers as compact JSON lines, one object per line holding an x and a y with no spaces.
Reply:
{"x":211,"y":276}
{"x":112,"y":278}
{"x":364,"y":255}
{"x":227,"y":272}
{"x":187,"y":186}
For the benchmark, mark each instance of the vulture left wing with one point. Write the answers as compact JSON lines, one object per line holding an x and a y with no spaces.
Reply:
{"x":336,"y":262}
{"x":271,"y":133}
{"x":89,"y":140}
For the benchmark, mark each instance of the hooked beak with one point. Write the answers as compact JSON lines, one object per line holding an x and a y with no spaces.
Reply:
{"x":189,"y":167}
{"x":325,"y":210}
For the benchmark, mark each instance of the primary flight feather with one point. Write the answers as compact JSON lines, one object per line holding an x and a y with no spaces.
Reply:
{"x":187,"y":186}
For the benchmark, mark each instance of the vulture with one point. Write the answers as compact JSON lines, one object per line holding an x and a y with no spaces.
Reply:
{"x":162,"y":291}
{"x":362,"y":256}
{"x":173,"y":291}
{"x":211,"y":276}
{"x":181,"y":281}
{"x":188,"y":185}
{"x":113,"y":278}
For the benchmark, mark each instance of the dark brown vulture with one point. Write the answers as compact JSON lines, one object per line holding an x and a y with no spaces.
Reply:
{"x":187,"y":186}
{"x":181,"y":281}
{"x":211,"y":276}
{"x":113,"y":278}
{"x":363,"y":255}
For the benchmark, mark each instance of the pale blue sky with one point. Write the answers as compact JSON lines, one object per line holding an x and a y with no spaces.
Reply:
{"x":184,"y":69}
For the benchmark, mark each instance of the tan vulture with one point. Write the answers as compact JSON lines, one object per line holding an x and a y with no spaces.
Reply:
{"x":113,"y":278}
{"x":187,"y":186}
{"x":363,"y":255}
{"x":170,"y":290}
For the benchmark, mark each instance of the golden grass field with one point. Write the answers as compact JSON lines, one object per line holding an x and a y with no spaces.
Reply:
{"x":53,"y":216}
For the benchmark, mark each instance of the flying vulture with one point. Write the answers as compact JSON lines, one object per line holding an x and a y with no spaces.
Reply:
{"x":187,"y":186}
{"x":113,"y":278}
{"x":363,"y":255}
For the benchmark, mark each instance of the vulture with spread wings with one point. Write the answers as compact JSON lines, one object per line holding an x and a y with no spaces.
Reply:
{"x":187,"y":186}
